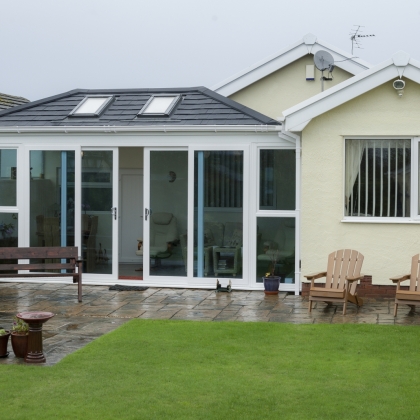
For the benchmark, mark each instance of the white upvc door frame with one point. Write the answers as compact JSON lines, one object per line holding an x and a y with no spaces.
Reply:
{"x":20,"y":185}
{"x":210,"y":281}
{"x":155,"y":280}
{"x":94,"y":278}
{"x":25,"y":171}
{"x":255,"y":191}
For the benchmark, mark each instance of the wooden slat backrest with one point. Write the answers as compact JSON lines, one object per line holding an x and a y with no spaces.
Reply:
{"x":343,"y":263}
{"x":414,"y":278}
{"x":38,"y":252}
{"x":330,"y":270}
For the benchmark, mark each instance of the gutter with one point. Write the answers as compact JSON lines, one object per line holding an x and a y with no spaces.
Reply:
{"x":143,"y":129}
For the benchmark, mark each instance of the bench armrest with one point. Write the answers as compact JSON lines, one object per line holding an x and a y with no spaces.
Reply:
{"x":398,"y":279}
{"x":354,"y":278}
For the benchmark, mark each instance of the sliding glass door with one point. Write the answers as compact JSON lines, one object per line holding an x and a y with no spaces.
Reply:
{"x":166,"y":213}
{"x":218,"y":213}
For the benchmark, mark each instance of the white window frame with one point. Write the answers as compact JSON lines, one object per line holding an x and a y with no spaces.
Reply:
{"x":245,"y":148}
{"x":143,"y":112}
{"x":262,"y":212}
{"x":414,"y":193}
{"x":19,"y":185}
{"x":98,"y":111}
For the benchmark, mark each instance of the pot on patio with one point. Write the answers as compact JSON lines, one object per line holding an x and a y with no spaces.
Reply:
{"x":271,"y":285}
{"x":4,"y":339}
{"x":19,"y":344}
{"x":19,"y":338}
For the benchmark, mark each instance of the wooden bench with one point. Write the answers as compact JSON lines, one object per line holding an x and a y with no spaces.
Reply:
{"x":50,"y":259}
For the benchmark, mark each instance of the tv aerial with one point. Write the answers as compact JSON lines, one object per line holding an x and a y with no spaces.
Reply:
{"x":355,"y":36}
{"x":323,"y":60}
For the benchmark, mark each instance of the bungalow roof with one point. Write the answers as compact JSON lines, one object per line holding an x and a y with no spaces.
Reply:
{"x":309,"y":44}
{"x":398,"y":66}
{"x":198,"y":106}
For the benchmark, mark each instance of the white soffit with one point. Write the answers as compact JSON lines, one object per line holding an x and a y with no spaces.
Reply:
{"x":301,"y":113}
{"x":309,"y":44}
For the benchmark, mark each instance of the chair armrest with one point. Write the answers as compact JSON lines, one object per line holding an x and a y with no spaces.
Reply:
{"x":269,"y":244}
{"x":314,"y":276}
{"x":398,"y":279}
{"x":354,"y":278}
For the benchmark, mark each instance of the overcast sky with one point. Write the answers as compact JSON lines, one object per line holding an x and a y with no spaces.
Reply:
{"x":52,"y":46}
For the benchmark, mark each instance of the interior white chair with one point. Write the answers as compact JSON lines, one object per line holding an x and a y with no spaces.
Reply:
{"x":163,"y":232}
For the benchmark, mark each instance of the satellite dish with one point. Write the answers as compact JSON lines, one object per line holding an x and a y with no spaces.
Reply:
{"x":324,"y":61}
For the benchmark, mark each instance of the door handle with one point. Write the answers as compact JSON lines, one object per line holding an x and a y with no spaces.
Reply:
{"x":114,"y":212}
{"x":146,"y":213}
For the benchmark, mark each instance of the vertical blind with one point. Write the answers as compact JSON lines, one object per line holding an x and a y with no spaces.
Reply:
{"x":266,"y":178}
{"x":378,"y":175}
{"x":223,"y":179}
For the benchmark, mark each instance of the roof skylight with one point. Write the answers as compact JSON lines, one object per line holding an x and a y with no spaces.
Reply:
{"x":91,"y":106}
{"x":160,"y":105}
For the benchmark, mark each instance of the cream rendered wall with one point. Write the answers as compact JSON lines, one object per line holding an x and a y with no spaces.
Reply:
{"x":286,"y":87}
{"x":387,"y":248}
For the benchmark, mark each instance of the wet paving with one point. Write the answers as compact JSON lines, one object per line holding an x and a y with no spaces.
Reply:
{"x":102,"y":310}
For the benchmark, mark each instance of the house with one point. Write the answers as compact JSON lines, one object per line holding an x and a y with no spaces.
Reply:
{"x":185,"y":182}
{"x":365,"y":194}
{"x":358,"y":141}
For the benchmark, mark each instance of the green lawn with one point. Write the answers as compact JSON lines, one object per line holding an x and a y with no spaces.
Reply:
{"x":225,"y":370}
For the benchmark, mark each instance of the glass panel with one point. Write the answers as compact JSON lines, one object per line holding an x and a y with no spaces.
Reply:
{"x":378,"y":174}
{"x":91,"y":105}
{"x":277,"y":179}
{"x":169,"y":212}
{"x":8,"y":229}
{"x":218,"y":218}
{"x":51,"y":200}
{"x":97,"y":176}
{"x":8,"y":177}
{"x":159,"y":105}
{"x":276,"y":248}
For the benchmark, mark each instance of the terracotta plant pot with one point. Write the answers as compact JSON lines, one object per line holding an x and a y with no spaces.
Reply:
{"x":4,"y":339}
{"x":271,"y":285}
{"x":19,"y":344}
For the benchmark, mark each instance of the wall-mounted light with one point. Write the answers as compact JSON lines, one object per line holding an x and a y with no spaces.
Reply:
{"x":399,"y":86}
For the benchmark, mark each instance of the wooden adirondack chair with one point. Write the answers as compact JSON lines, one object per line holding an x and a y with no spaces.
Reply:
{"x":342,"y":274}
{"x":409,"y":297}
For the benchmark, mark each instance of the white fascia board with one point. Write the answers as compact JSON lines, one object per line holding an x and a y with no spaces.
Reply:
{"x":144,"y":129}
{"x":300,"y":127}
{"x":286,"y":136}
{"x":281,"y":59}
{"x":339,"y":94}
{"x":260,"y":70}
{"x":412,"y":71}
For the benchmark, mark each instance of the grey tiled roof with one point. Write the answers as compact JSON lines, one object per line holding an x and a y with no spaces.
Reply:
{"x":199,"y":106}
{"x":9,"y":101}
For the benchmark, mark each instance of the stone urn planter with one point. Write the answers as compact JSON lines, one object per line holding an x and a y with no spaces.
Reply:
{"x":4,"y":339}
{"x":271,"y":285}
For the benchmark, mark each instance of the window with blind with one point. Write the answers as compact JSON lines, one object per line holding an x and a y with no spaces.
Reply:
{"x":223,"y":179}
{"x":378,"y":178}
